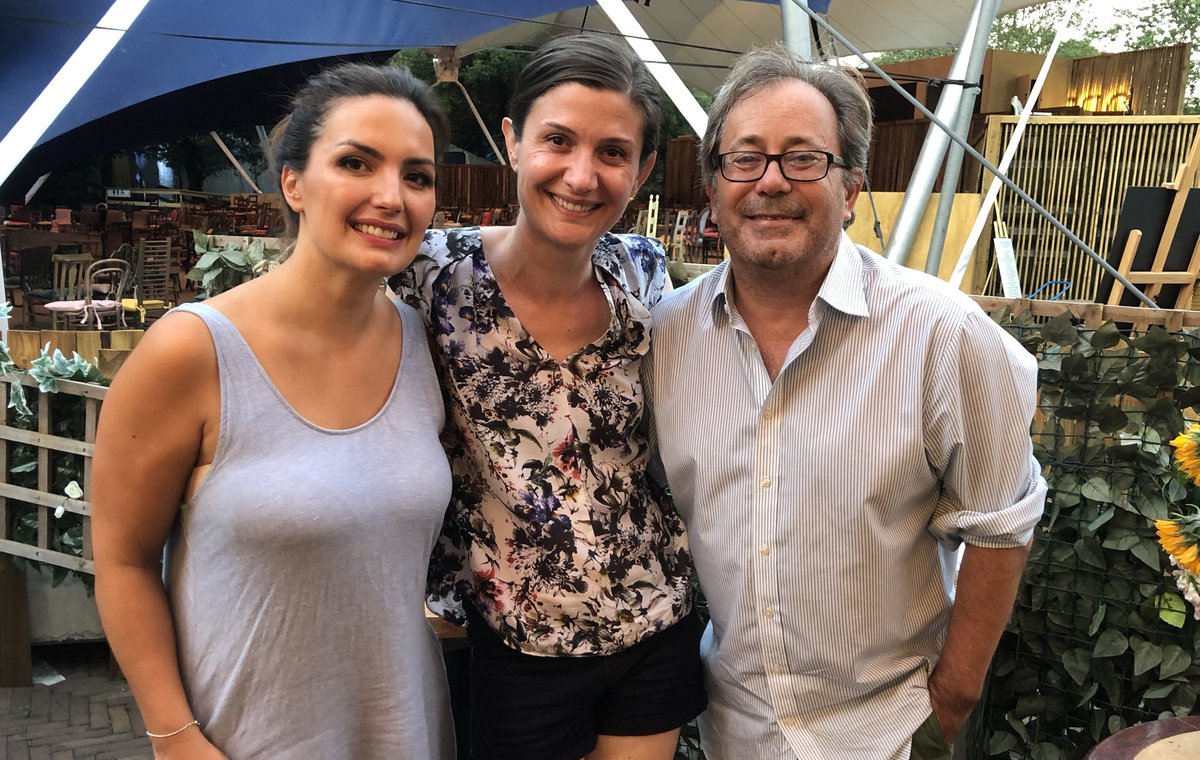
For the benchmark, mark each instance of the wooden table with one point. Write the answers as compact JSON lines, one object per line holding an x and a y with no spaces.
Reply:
{"x":1163,"y":739}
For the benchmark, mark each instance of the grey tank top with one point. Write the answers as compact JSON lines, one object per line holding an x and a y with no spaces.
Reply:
{"x":296,"y":572}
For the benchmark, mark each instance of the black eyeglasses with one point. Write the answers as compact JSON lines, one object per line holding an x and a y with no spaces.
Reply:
{"x":796,"y":165}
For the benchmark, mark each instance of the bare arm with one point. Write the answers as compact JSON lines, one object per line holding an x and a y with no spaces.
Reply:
{"x":987,"y":587}
{"x":155,"y":427}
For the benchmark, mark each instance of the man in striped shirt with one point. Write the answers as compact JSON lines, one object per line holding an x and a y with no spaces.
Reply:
{"x":833,"y":427}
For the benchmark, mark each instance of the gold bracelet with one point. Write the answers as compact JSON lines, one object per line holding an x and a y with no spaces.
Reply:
{"x":169,"y":734}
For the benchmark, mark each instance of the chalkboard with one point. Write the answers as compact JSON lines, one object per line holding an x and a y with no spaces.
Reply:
{"x":1147,"y":209}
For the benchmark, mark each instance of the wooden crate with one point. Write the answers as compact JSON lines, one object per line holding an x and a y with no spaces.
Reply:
{"x":106,"y":349}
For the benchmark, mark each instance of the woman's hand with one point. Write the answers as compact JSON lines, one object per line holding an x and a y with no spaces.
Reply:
{"x":192,"y":744}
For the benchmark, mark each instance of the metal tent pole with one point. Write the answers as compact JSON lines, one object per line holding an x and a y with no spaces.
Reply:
{"x":797,"y":31}
{"x":964,"y":258}
{"x":233,"y":160}
{"x":954,"y":157}
{"x":920,"y":186}
{"x":446,"y":66}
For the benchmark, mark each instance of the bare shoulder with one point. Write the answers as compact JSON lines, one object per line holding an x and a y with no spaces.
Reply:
{"x":176,"y":345}
{"x":174,"y":362}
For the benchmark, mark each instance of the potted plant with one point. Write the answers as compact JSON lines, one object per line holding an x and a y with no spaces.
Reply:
{"x":219,"y":269}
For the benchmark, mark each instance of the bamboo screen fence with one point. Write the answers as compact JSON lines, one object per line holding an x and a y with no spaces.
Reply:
{"x":1079,"y":168}
{"x":1151,"y":82}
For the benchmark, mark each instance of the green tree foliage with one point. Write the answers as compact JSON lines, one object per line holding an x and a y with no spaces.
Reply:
{"x":489,"y":76}
{"x":1031,"y":30}
{"x":1026,"y":30}
{"x":911,"y":54}
{"x":196,"y":156}
{"x":1166,"y":22}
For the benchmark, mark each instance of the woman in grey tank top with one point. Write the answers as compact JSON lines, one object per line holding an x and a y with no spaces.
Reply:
{"x":280,"y":441}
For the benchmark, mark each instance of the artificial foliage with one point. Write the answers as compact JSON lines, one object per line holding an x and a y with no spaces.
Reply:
{"x":219,"y":269}
{"x":1100,"y":637}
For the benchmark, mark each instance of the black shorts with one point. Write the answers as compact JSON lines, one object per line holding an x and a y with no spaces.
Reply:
{"x":553,"y":708}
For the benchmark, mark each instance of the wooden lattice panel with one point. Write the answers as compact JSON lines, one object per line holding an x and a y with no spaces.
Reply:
{"x":43,"y":497}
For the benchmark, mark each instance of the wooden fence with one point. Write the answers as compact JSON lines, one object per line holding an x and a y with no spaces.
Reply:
{"x":682,"y":187}
{"x":1079,"y":168}
{"x":471,"y":187}
{"x":1150,"y":82}
{"x":895,"y":146}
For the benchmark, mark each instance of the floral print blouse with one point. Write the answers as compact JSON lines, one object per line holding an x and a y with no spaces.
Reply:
{"x":555,"y":530}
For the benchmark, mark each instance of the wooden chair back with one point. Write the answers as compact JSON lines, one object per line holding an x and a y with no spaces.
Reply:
{"x":105,"y":285}
{"x":89,"y":220}
{"x":70,"y":275}
{"x":151,"y":280}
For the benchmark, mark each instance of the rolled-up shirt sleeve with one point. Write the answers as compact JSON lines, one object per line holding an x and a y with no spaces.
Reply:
{"x":980,"y":400}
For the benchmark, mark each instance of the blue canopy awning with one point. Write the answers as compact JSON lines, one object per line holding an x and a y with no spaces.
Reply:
{"x":183,"y":68}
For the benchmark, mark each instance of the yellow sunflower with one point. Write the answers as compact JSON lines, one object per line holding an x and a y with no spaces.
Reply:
{"x":1180,"y":538}
{"x":1187,"y":452}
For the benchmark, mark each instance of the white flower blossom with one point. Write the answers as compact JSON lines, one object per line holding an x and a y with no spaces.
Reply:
{"x":1190,"y":586}
{"x":73,"y":491}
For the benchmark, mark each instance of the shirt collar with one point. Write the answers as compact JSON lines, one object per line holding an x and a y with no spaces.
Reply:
{"x":608,"y":254}
{"x":844,"y":287}
{"x":717,"y":287}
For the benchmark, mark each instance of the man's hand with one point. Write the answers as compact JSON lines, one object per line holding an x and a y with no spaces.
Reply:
{"x":950,"y":707}
{"x":987,"y":585}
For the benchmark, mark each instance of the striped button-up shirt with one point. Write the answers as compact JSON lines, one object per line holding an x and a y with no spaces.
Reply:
{"x":823,"y":509}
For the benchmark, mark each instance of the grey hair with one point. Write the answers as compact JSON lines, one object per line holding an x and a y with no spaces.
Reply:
{"x":842,"y":86}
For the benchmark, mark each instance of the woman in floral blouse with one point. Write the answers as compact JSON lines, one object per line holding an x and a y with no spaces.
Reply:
{"x":569,"y":563}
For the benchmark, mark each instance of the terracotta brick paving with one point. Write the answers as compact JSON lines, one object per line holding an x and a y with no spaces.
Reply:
{"x":89,"y":716}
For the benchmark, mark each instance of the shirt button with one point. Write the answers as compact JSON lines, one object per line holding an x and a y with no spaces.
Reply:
{"x":769,"y":612}
{"x":764,"y":550}
{"x":777,"y":670}
{"x":790,"y":722}
{"x":766,"y":482}
{"x":766,"y":415}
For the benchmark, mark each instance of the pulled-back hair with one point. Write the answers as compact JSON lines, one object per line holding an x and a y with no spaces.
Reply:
{"x":293,"y":138}
{"x":595,"y":61}
{"x":762,"y":67}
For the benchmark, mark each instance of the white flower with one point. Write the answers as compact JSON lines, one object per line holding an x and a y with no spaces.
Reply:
{"x":73,"y":491}
{"x":1190,"y":586}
